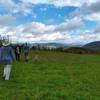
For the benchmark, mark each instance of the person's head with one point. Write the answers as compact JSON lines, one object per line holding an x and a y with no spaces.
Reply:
{"x":26,"y":44}
{"x":5,"y":43}
{"x":17,"y":45}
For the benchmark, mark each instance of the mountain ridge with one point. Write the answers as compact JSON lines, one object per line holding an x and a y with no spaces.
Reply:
{"x":93,"y":45}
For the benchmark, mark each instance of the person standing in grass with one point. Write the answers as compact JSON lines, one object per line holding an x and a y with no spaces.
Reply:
{"x":36,"y":57}
{"x":17,"y":52}
{"x":7,"y":57}
{"x":26,"y":52}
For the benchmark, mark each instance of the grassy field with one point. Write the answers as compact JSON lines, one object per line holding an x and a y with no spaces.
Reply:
{"x":55,"y":76}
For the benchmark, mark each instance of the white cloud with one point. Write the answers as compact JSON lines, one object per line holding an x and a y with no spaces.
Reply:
{"x":34,"y":27}
{"x":7,"y":19}
{"x":12,"y":7}
{"x":88,"y":11}
{"x":40,"y":28}
{"x":3,"y":29}
{"x":38,"y":32}
{"x":97,"y":30}
{"x":60,"y":3}
{"x":93,"y":17}
{"x":95,"y":7}
{"x":17,"y":35}
{"x":70,"y":25}
{"x":25,"y":6}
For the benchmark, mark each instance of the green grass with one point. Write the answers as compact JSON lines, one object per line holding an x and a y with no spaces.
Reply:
{"x":55,"y":76}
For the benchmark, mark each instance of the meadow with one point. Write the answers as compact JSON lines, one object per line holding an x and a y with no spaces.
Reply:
{"x":55,"y":76}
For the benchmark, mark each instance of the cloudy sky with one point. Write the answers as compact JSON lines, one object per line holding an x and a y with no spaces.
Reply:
{"x":64,"y":21}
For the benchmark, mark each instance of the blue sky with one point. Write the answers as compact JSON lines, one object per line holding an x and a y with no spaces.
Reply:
{"x":65,"y":21}
{"x":47,"y":14}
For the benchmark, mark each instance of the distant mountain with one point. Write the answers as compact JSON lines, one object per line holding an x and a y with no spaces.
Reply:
{"x":93,"y":46}
{"x":55,"y":45}
{"x":51,"y":45}
{"x":80,"y":50}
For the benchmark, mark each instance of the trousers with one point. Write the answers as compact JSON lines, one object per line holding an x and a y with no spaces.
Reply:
{"x":6,"y":73}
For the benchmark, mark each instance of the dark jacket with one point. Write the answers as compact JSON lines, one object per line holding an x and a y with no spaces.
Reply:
{"x":17,"y":50}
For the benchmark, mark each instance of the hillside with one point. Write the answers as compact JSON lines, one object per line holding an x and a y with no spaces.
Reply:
{"x":93,"y":45}
{"x":80,"y":50}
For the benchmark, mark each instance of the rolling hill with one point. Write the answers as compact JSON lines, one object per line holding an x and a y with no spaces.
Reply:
{"x":93,"y":46}
{"x":80,"y":50}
